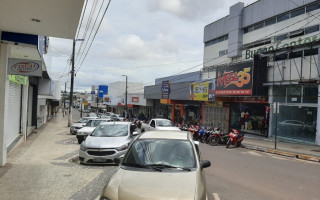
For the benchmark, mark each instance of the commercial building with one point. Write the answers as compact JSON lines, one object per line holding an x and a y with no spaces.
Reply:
{"x":266,"y":63}
{"x":24,"y":26}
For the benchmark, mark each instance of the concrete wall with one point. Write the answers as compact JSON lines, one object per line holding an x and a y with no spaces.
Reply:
{"x":186,"y":77}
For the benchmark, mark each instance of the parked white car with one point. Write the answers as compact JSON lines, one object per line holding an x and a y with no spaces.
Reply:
{"x":79,"y":124}
{"x":159,"y":125}
{"x":89,"y":128}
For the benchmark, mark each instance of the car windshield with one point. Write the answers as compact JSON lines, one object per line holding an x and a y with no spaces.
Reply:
{"x":165,"y":123}
{"x":111,"y":130}
{"x":93,"y":123}
{"x":83,"y":120}
{"x":151,"y":152}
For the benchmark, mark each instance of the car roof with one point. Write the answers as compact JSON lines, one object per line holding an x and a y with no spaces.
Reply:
{"x":160,"y":119}
{"x":180,"y":135}
{"x":106,"y":123}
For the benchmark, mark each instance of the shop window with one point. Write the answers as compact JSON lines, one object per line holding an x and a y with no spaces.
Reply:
{"x":283,"y":56}
{"x":281,"y":37}
{"x":297,"y":122}
{"x":283,"y":17}
{"x":311,"y":52}
{"x":311,"y":29}
{"x":279,"y":94}
{"x":258,"y":26}
{"x":298,"y":12}
{"x":270,"y":21}
{"x":294,"y":94}
{"x":296,"y":33}
{"x":297,"y":54}
{"x":310,"y":94}
{"x":313,"y":7}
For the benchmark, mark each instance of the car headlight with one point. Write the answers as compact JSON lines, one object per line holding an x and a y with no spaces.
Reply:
{"x":123,"y":147}
{"x":83,"y":148}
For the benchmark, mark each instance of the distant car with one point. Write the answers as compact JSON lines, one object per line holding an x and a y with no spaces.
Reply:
{"x":159,"y":165}
{"x":89,"y":127}
{"x":92,"y":114}
{"x":108,"y":141}
{"x":159,"y":125}
{"x":79,"y":124}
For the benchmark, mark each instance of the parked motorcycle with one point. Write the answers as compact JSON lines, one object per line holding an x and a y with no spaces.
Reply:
{"x":235,"y":138}
{"x":206,"y":135}
{"x":217,"y":137}
{"x":194,"y":129}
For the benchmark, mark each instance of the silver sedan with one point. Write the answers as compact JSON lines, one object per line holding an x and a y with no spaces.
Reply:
{"x":108,"y":141}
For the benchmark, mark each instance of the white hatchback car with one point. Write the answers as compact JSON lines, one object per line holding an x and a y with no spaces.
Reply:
{"x":159,"y":165}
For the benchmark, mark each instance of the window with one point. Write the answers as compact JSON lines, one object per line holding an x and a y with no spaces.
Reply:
{"x":311,"y":52}
{"x":294,"y":94}
{"x":248,"y":29}
{"x":281,"y":37}
{"x":313,"y":7}
{"x":311,"y":29}
{"x":258,"y":26}
{"x":298,"y":12}
{"x":216,"y":40}
{"x":297,"y":54}
{"x":310,"y":94}
{"x":270,"y":21}
{"x":223,"y":52}
{"x":283,"y":17}
{"x":279,"y":93}
{"x":279,"y":57}
{"x":296,"y":33}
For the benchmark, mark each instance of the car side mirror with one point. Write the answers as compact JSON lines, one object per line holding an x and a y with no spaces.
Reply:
{"x":117,"y":161}
{"x":205,"y":164}
{"x":135,"y":133}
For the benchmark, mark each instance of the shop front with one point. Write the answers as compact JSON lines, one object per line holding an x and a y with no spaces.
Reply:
{"x":245,"y":104}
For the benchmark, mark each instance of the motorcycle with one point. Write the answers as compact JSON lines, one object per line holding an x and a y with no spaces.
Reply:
{"x":217,"y":137}
{"x":235,"y":138}
{"x":194,"y":129}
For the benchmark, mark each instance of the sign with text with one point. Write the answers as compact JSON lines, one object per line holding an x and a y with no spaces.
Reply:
{"x":24,"y":67}
{"x":165,"y":90}
{"x":18,"y":79}
{"x":203,"y":91}
{"x":103,"y":90}
{"x":234,"y":80}
{"x":135,"y":99}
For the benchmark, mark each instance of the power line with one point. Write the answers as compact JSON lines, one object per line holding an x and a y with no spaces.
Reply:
{"x":84,"y":12}
{"x":94,"y":35}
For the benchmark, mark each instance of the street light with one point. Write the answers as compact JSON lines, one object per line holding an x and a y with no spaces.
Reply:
{"x":126,"y":105}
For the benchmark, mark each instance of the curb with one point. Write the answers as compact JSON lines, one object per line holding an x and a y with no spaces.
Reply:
{"x":282,"y":153}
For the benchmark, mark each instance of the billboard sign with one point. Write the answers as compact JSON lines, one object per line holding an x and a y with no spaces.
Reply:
{"x":165,"y":90}
{"x":203,"y":91}
{"x":103,"y":90}
{"x":135,"y":99}
{"x":24,"y":67}
{"x":235,"y":80}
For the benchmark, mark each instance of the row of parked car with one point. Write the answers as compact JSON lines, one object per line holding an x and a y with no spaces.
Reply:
{"x":162,"y":158}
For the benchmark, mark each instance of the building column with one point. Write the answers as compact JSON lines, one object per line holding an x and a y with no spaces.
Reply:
{"x":271,"y":113}
{"x":4,"y":86}
{"x":318,"y":120}
{"x":24,"y":110}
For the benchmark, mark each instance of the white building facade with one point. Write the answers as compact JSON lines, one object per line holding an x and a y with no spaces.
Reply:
{"x":284,"y":37}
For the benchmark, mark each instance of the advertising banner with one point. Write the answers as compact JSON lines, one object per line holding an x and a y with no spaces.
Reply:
{"x":18,"y":79}
{"x":135,"y":99}
{"x":203,"y":91}
{"x":165,"y":90}
{"x":24,"y":67}
{"x":235,"y":80}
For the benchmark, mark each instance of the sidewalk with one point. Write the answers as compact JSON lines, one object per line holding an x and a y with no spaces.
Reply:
{"x":42,"y":167}
{"x":291,"y":149}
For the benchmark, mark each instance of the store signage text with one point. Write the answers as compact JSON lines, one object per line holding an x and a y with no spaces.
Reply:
{"x":18,"y":79}
{"x":234,"y":78}
{"x":202,"y":91}
{"x":24,"y":67}
{"x":250,"y":53}
{"x":135,"y":99}
{"x":165,"y":89}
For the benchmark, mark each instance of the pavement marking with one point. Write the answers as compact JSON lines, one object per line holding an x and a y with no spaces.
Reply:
{"x":215,"y":196}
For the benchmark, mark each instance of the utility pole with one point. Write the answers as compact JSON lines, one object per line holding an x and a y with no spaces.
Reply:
{"x":64,"y":98}
{"x":97,"y":100}
{"x":126,"y":102}
{"x":71,"y":87}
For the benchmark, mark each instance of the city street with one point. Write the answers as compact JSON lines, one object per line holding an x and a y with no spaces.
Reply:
{"x":49,"y":169}
{"x":239,"y":173}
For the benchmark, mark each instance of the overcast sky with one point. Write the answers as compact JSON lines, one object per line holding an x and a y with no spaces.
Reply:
{"x":143,"y":39}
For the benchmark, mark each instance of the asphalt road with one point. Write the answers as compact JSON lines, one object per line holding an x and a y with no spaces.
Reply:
{"x":243,"y":174}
